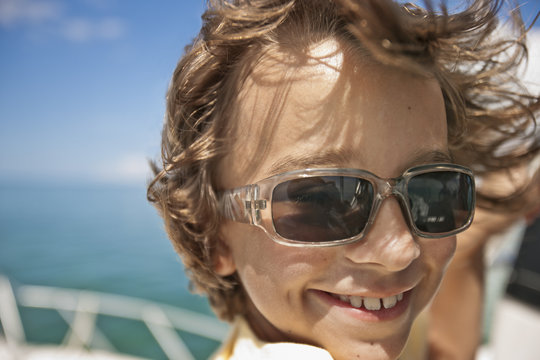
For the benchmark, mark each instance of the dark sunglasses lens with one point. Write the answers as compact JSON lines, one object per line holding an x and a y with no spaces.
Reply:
{"x":441,"y":201}
{"x":321,"y":208}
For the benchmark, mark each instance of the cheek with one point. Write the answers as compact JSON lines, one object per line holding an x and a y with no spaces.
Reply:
{"x":437,"y":255}
{"x":270,"y":270}
{"x":442,"y":251}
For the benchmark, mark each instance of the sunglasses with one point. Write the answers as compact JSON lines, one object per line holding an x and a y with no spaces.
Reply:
{"x":328,"y":207}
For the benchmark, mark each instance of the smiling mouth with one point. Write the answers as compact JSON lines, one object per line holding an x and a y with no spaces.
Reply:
{"x":369,"y":303}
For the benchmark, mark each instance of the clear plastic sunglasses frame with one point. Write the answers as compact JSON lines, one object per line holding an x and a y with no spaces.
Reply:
{"x":251,"y":204}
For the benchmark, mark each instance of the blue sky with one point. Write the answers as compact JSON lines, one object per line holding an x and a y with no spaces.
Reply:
{"x":83,"y":82}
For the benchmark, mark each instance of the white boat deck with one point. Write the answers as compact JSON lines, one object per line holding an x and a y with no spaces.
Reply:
{"x":84,"y":339}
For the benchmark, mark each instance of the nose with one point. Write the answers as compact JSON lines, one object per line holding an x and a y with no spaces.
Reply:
{"x":389,"y":241}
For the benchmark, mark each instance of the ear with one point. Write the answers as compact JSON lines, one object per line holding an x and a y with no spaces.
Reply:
{"x":223,"y":260}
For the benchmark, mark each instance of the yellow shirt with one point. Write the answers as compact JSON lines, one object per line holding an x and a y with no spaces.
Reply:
{"x":243,"y":344}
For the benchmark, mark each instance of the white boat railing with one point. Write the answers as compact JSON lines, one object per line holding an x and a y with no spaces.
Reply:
{"x":81,"y":308}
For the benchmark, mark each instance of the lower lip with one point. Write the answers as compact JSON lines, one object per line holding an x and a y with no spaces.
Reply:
{"x":368,"y":315}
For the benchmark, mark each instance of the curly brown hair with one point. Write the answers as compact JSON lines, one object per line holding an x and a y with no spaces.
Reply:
{"x":490,"y":116}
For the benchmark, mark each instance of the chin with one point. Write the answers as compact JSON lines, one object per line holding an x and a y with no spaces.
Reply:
{"x":388,"y":349}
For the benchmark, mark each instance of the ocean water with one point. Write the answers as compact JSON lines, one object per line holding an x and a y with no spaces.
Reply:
{"x":97,"y":237}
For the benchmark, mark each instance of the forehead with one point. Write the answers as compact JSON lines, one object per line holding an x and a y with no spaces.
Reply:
{"x":328,"y":103}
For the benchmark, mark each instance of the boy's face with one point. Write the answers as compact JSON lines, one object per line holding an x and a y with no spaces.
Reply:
{"x":335,"y":112}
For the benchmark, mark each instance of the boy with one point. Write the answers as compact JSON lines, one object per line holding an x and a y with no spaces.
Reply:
{"x":309,"y":179}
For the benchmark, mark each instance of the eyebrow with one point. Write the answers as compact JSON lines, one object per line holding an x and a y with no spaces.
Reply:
{"x":431,"y":156}
{"x":330,"y":158}
{"x":340,"y":157}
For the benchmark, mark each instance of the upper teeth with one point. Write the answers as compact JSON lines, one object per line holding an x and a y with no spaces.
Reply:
{"x":371,"y":303}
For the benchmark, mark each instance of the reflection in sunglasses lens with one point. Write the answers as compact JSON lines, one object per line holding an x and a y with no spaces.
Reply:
{"x":321,"y":208}
{"x":440,"y":201}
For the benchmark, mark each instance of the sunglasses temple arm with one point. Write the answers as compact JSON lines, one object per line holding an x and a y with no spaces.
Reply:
{"x":236,"y":204}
